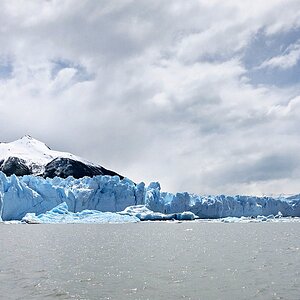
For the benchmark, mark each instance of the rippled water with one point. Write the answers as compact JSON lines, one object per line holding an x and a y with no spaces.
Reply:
{"x":150,"y":261}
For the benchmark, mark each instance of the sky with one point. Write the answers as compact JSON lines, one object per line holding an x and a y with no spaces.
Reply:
{"x":202,"y":96}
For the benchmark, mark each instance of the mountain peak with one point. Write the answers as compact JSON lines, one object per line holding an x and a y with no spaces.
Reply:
{"x":27,"y":136}
{"x":28,"y":155}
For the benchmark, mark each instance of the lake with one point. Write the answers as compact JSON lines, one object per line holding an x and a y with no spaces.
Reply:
{"x":150,"y":260}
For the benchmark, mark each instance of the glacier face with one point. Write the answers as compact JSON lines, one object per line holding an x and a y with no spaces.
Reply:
{"x":31,"y":194}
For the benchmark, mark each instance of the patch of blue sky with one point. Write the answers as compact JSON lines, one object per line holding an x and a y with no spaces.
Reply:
{"x":6,"y":69}
{"x":276,"y":76}
{"x":82,"y":73}
{"x":263,"y":48}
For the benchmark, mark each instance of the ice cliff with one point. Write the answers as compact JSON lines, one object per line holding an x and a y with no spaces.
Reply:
{"x":32,"y":194}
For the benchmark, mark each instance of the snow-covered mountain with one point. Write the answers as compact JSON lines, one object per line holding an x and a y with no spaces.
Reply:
{"x":28,"y":156}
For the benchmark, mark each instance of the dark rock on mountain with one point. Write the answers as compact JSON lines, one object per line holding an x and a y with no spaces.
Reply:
{"x":28,"y":156}
{"x":14,"y":165}
{"x":64,"y":167}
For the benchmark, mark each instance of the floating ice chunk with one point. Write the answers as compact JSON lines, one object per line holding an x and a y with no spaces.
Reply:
{"x":136,"y":209}
{"x":145,"y":214}
{"x":186,"y":215}
{"x":61,"y":214}
{"x":262,"y":218}
{"x":258,"y":219}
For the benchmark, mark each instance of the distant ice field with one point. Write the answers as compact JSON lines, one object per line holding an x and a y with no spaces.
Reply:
{"x":147,"y":260}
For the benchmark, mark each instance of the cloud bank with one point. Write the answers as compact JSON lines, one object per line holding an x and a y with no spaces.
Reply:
{"x":202,"y":96}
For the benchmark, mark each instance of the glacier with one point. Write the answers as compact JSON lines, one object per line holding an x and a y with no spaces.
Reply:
{"x":37,"y":195}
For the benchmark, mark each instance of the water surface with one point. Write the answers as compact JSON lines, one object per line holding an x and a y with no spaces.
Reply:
{"x":189,"y":260}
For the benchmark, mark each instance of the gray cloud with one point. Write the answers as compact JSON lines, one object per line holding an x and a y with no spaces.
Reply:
{"x":269,"y":167}
{"x":155,"y":92}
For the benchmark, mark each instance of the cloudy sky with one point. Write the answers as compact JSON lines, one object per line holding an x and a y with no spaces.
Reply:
{"x":203,"y":96}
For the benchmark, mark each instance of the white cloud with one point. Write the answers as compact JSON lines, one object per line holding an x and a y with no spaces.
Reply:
{"x":288,"y":59}
{"x":64,"y":78}
{"x":168,"y":98}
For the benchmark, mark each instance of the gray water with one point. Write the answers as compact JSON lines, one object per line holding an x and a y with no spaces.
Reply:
{"x":150,"y":261}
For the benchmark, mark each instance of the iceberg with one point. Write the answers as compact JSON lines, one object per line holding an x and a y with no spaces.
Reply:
{"x":61,"y":214}
{"x":145,"y":214}
{"x":38,"y":195}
